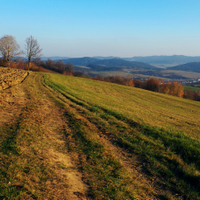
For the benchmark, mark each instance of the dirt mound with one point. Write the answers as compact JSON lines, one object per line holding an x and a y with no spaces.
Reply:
{"x":10,"y":77}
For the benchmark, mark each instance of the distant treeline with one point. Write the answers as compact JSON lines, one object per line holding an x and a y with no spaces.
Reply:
{"x":44,"y":66}
{"x":152,"y":84}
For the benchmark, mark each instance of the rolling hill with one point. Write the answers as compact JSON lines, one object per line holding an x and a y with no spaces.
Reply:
{"x":192,"y":67}
{"x":166,"y":59}
{"x":66,"y":137}
{"x":113,"y":62}
{"x":80,"y":61}
{"x":118,"y":62}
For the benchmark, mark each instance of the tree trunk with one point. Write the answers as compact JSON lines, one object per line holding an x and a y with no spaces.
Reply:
{"x":9,"y":57}
{"x":8,"y":63}
{"x":29,"y":63}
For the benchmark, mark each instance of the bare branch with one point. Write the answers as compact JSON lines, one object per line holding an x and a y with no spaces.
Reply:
{"x":32,"y":49}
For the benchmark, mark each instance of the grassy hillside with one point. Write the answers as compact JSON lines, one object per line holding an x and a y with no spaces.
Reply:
{"x":142,"y":106}
{"x":162,"y":129}
{"x":76,"y":138}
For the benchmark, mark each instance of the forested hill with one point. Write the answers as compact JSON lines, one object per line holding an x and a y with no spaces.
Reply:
{"x":193,"y":66}
{"x":117,"y":62}
{"x":81,"y":61}
{"x":114,"y":62}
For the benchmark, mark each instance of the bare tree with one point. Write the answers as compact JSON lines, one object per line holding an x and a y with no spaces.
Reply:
{"x":32,"y":49}
{"x":9,"y":48}
{"x":60,"y":66}
{"x":50,"y":64}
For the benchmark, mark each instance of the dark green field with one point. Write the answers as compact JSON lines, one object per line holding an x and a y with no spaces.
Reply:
{"x":192,"y":88}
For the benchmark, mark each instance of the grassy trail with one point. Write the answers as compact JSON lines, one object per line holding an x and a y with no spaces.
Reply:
{"x":71,"y":138}
{"x":35,"y":163}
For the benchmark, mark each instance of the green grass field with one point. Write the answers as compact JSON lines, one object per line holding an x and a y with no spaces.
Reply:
{"x":163,"y":130}
{"x":139,"y":105}
{"x":192,"y":88}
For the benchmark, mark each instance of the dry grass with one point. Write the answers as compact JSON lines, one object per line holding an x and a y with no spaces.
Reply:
{"x":40,"y":167}
{"x":10,"y":77}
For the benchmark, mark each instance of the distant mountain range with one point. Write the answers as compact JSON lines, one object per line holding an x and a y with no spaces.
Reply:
{"x":137,"y":67}
{"x":165,"y":61}
{"x":99,"y":63}
{"x":157,"y":61}
{"x":107,"y":63}
{"x":105,"y":58}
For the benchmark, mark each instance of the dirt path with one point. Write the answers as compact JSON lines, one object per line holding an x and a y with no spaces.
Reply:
{"x":134,"y":165}
{"x":44,"y":169}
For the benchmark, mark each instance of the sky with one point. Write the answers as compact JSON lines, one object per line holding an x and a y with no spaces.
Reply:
{"x":123,"y":28}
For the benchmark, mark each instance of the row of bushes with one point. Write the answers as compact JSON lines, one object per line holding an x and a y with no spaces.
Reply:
{"x":66,"y":69}
{"x":39,"y":65}
{"x":24,"y":66}
{"x":153,"y":84}
{"x":156,"y":85}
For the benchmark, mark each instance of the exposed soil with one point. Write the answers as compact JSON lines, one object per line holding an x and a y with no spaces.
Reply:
{"x":10,"y":77}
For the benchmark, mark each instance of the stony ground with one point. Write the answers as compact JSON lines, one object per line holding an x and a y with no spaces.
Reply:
{"x":10,"y":77}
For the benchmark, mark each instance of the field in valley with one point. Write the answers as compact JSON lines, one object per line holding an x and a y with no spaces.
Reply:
{"x":192,"y":88}
{"x":165,"y":74}
{"x":64,"y":137}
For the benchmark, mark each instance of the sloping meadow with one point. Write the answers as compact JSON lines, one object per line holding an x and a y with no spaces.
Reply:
{"x":162,"y":130}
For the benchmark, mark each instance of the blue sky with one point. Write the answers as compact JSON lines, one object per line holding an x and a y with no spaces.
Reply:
{"x":123,"y":28}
